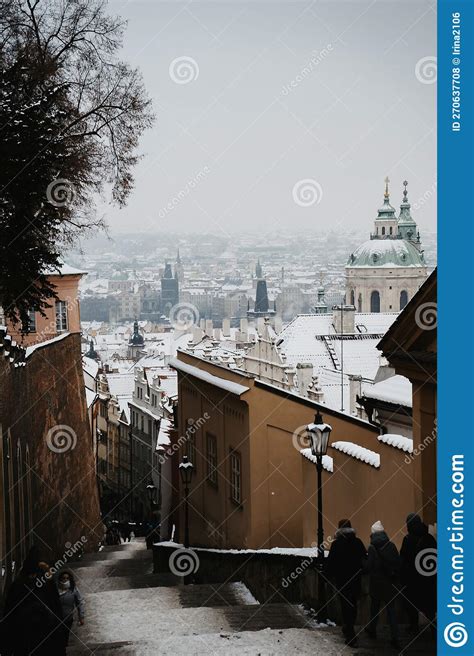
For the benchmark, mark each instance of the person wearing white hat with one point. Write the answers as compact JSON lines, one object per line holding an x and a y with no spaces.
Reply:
{"x":383,"y":566}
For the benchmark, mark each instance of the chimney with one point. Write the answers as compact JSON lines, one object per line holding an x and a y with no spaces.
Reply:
{"x":355,"y":389}
{"x":343,"y":319}
{"x":304,"y":374}
{"x":217,"y":334}
{"x":197,"y":334}
{"x":209,"y":327}
{"x":244,"y":325}
{"x":226,"y":327}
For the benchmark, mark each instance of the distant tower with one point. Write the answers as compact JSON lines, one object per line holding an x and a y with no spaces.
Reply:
{"x":262,"y":304}
{"x":169,"y":290}
{"x":320,"y":307}
{"x":406,"y":224}
{"x":92,"y":353}
{"x":385,"y":272}
{"x":179,"y":270}
{"x":261,"y":297}
{"x":135,"y":343}
{"x":258,"y":270}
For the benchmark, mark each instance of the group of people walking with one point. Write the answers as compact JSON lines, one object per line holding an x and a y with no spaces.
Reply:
{"x":394,"y":577}
{"x":39,"y":610}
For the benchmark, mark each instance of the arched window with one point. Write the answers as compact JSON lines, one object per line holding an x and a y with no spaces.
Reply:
{"x":403,"y":299}
{"x":375,"y":301}
{"x":391,"y":230}
{"x":383,"y":230}
{"x":352,"y":297}
{"x":359,"y":303}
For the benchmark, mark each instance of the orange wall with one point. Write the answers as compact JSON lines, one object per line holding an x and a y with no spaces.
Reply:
{"x":362,"y":493}
{"x":279,"y":484}
{"x":67,"y":290}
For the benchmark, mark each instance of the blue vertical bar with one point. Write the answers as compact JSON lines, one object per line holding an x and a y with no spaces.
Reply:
{"x":455,"y":327}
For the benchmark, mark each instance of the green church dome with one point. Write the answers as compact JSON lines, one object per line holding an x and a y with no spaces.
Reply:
{"x":386,"y":253}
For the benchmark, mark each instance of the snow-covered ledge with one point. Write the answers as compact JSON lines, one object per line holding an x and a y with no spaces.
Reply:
{"x":34,"y":347}
{"x":206,"y":377}
{"x":328,"y":463}
{"x":398,"y":441}
{"x":358,"y":452}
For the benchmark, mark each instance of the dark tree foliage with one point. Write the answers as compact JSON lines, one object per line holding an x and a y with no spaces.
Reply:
{"x":71,"y":115}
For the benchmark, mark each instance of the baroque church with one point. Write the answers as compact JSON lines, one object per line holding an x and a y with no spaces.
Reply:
{"x":386,"y":271}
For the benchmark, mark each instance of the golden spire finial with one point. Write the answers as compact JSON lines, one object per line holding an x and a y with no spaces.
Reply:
{"x":387,"y":180}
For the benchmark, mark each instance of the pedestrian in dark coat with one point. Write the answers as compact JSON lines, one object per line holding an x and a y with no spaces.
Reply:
{"x":418,"y":573}
{"x":70,"y":600}
{"x":383,"y":566}
{"x":27,"y":619}
{"x":344,"y":567}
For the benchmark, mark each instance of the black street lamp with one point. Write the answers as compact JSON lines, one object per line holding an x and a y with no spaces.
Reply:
{"x":151,"y":492}
{"x":186,"y":471}
{"x":319,"y":433}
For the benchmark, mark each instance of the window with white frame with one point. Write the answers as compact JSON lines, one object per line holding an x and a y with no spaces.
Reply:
{"x":61,"y":316}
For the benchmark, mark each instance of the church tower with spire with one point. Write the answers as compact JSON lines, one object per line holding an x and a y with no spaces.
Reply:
{"x":179,"y":270}
{"x":385,"y":272}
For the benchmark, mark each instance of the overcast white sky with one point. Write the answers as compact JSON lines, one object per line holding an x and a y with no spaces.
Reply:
{"x":359,"y":113}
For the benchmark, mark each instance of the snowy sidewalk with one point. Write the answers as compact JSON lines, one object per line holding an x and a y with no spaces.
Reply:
{"x":131,"y":611}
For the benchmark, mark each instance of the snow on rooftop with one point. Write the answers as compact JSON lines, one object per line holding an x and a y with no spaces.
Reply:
{"x":328,"y":462}
{"x":65,"y":270}
{"x":163,"y":436}
{"x":396,"y":389}
{"x":34,"y":347}
{"x":398,"y":441}
{"x":90,"y":397}
{"x":206,"y":377}
{"x":358,"y":452}
{"x":90,"y":366}
{"x":121,"y":384}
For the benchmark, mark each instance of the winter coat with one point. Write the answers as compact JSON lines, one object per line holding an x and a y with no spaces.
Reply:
{"x":346,"y":560}
{"x":383,"y":567}
{"x":69,"y":600}
{"x":28,"y":623}
{"x":420,"y":588}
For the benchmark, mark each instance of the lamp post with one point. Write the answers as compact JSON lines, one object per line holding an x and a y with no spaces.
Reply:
{"x":319,"y":433}
{"x":186,"y":471}
{"x":151,"y":492}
